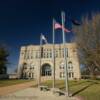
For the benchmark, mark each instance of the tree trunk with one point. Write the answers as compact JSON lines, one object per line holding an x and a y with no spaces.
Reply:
{"x":92,"y":75}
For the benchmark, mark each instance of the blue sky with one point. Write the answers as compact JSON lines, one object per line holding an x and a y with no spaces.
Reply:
{"x":22,"y":21}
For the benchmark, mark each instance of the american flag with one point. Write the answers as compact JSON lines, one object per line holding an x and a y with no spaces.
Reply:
{"x":58,"y":26}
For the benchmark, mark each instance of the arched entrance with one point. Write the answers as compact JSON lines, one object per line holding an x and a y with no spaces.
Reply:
{"x":46,"y":70}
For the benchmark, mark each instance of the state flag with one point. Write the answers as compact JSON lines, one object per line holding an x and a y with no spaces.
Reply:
{"x":44,"y":38}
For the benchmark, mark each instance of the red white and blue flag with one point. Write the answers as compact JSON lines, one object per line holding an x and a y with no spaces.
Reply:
{"x":59,"y":26}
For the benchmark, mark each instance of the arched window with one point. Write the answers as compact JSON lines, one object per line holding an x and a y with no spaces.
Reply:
{"x":24,"y":65}
{"x":32,"y":66}
{"x":46,"y":70}
{"x":70,"y":65}
{"x":62,"y":65}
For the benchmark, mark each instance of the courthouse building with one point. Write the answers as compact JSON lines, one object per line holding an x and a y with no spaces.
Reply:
{"x":31,"y":66}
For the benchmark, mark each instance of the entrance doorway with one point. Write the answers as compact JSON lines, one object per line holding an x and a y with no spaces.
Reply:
{"x":46,"y":70}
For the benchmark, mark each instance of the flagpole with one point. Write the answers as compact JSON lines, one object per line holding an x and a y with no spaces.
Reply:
{"x":39,"y":76}
{"x":53,"y":54}
{"x":65,"y":57}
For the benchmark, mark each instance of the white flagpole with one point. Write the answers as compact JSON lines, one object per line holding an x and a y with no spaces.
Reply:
{"x":39,"y":76}
{"x":65,"y":57}
{"x":53,"y":54}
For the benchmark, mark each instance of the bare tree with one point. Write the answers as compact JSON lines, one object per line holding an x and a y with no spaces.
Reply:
{"x":88,"y":42}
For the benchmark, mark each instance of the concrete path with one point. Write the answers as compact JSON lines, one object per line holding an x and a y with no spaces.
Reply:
{"x":10,"y":89}
{"x":34,"y":94}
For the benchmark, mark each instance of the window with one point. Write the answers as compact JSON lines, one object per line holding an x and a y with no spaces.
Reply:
{"x":32,"y":54}
{"x":72,"y":74}
{"x":29,"y":74}
{"x":50,"y":54}
{"x":22,"y":53}
{"x":24,"y":65}
{"x":62,"y":53}
{"x":70,"y":66}
{"x":67,"y":52}
{"x":32,"y":75}
{"x":56,"y":53}
{"x":62,"y":65}
{"x":44,"y":55}
{"x":46,"y":70}
{"x":32,"y":66}
{"x":47,"y":55}
{"x":62,"y":74}
{"x":59,"y":52}
{"x":69,"y":74}
{"x":25,"y":74}
{"x":36,"y":56}
{"x":27,"y":54}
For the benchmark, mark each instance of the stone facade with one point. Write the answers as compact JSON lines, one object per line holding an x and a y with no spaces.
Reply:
{"x":30,"y":65}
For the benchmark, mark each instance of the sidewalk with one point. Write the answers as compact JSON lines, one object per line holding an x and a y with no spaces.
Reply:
{"x":34,"y":94}
{"x":10,"y":89}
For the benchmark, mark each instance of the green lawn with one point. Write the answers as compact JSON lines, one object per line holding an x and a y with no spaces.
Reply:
{"x":12,"y":82}
{"x":87,"y":89}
